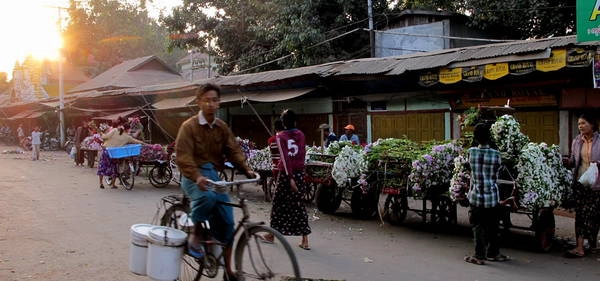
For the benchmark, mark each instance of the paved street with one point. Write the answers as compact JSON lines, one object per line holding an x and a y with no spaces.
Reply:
{"x":56,"y":224}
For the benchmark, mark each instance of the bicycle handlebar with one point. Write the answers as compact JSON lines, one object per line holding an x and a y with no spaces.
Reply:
{"x":224,"y":184}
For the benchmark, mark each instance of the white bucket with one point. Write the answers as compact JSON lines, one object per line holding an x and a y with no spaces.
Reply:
{"x":164,"y":253}
{"x":139,"y":248}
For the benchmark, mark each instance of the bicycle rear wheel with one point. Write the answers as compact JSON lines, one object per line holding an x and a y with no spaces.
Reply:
{"x":256,"y":259}
{"x":127,"y":171}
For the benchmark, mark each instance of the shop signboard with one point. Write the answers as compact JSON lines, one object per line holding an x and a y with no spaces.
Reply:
{"x":450,"y":75}
{"x":588,"y":20}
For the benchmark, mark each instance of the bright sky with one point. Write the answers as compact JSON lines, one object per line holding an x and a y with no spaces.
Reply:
{"x":30,"y":27}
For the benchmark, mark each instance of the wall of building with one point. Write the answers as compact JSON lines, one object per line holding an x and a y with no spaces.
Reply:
{"x":387,"y":44}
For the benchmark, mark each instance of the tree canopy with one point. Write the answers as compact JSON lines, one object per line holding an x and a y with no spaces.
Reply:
{"x":258,"y":35}
{"x":103,"y":33}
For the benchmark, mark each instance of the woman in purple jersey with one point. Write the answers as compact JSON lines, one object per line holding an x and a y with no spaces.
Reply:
{"x":288,"y":214}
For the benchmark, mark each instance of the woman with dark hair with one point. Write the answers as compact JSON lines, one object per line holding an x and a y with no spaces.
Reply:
{"x":585,"y":150}
{"x":288,"y":214}
{"x":115,"y":138}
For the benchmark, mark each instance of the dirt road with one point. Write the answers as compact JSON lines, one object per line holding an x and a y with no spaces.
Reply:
{"x":56,"y":224}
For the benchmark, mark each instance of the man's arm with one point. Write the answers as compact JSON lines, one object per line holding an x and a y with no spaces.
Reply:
{"x":184,"y":147}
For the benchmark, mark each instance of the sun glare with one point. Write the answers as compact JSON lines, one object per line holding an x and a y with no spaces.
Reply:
{"x":29,"y":29}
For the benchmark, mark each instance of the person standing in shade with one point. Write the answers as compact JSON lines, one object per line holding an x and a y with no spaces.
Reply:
{"x":36,"y":141}
{"x":329,"y":136}
{"x":288,"y":214}
{"x":20,"y":134}
{"x":585,"y":150}
{"x":81,"y":133}
{"x":349,"y":135}
{"x":202,"y":143}
{"x":485,"y":212}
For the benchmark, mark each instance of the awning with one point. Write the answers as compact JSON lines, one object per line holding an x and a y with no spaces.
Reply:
{"x":36,"y":114}
{"x":21,"y":115}
{"x":116,"y":116}
{"x":174,"y":102}
{"x":267,"y":96}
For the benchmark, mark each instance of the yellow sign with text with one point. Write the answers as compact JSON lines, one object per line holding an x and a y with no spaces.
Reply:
{"x":450,"y":75}
{"x":495,"y":70}
{"x":556,"y":61}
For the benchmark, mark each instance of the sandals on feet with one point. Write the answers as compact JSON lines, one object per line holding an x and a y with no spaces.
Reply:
{"x":474,"y":260}
{"x":573,"y":254}
{"x":499,"y":257}
{"x":101,"y":186}
{"x":305,"y":247}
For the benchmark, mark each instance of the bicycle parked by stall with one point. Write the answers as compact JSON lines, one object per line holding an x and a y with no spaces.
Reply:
{"x":253,"y":257}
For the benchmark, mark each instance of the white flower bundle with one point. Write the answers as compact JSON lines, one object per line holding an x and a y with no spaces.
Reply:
{"x":541,"y":178}
{"x":350,"y":163}
{"x":260,"y":160}
{"x":506,"y":133}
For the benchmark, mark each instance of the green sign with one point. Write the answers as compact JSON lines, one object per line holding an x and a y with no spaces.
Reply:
{"x":588,"y":20}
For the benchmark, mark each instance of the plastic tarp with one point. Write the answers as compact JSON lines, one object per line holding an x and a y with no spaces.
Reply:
{"x":115,"y":116}
{"x":174,"y":103}
{"x":36,"y":114}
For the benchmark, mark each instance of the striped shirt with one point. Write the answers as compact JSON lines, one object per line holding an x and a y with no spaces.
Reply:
{"x":485,"y":164}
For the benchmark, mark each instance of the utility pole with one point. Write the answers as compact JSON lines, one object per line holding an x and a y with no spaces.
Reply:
{"x":371,"y":31}
{"x":61,"y":91}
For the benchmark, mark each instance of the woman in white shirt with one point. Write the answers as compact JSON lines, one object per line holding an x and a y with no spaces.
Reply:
{"x":36,"y":141}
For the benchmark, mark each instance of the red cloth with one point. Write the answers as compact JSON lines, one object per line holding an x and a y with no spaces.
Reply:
{"x":292,"y":147}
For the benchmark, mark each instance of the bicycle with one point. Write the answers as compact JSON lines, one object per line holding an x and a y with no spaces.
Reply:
{"x":253,"y":257}
{"x":127,"y":167}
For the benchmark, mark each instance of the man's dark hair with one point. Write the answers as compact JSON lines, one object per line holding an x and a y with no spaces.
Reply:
{"x":481,"y":134}
{"x":289,"y":119}
{"x":278,"y":125}
{"x":590,"y":119}
{"x":206,"y":88}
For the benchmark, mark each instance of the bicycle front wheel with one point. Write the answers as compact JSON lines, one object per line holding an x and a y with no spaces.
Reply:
{"x":256,"y":259}
{"x":160,"y":176}
{"x":127,"y":171}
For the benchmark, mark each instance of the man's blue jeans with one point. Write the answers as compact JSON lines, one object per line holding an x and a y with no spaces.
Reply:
{"x":205,"y":207}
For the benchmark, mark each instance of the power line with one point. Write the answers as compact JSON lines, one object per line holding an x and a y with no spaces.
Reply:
{"x":291,"y":54}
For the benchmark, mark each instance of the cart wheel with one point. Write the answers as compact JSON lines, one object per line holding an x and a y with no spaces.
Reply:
{"x":443,"y":211}
{"x":544,"y":228}
{"x":396,"y":207}
{"x":160,"y":176}
{"x":363,"y":204}
{"x":309,"y":195}
{"x":327,"y":198}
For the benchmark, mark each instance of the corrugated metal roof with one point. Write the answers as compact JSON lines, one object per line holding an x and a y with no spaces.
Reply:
{"x":130,"y":74}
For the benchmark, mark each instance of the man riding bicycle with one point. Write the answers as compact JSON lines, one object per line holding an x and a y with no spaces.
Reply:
{"x":203,"y":142}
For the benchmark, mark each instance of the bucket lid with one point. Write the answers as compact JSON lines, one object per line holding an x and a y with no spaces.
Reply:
{"x":167,"y":236}
{"x":140,"y":231}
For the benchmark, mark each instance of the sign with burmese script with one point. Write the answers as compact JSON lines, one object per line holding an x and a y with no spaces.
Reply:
{"x":578,"y":57}
{"x":429,"y":79}
{"x":588,"y":20}
{"x":521,"y":67}
{"x":472,"y":74}
{"x":450,"y":75}
{"x":556,"y":61}
{"x":495,"y":70}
